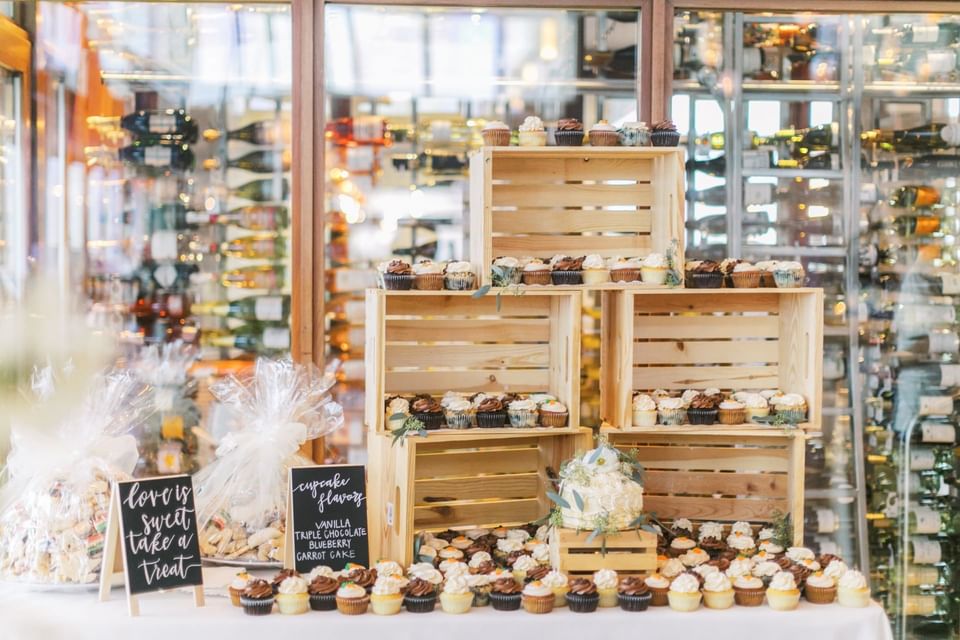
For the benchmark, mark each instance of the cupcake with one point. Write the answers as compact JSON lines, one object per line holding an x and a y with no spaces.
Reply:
{"x":684,"y":594}
{"x":427,"y":554}
{"x":397,"y":411}
{"x":479,"y":584}
{"x":783,"y":594}
{"x":654,"y":269}
{"x":683,"y":526}
{"x":360,"y":576}
{"x":695,"y":557}
{"x":553,"y":413}
{"x":461,"y":542}
{"x":427,"y":276}
{"x":659,"y":587}
{"x":490,"y":413}
{"x":495,"y":134}
{"x":820,"y":589}
{"x":560,"y":585}
{"x":566,"y":270}
{"x":385,"y":597}
{"x":606,"y":581}
{"x":633,"y":594}
{"x":672,"y":568}
{"x":748,"y":591}
{"x":450,"y":552}
{"x":603,"y":134}
{"x":595,"y":270}
{"x":397,"y":275}
{"x":537,"y":597}
{"x":323,"y":593}
{"x":282,"y":575}
{"x":505,"y":271}
{"x":634,"y":134}
{"x":523,"y":413}
{"x":518,"y":534}
{"x":257,"y":598}
{"x":688,"y":268}
{"x":450,"y":568}
{"x":456,"y":596}
{"x":532,"y":133}
{"x":671,"y":411}
{"x":703,"y":410}
{"x":765,"y":570}
{"x":717,"y":591}
{"x":644,"y":411}
{"x":766,"y":268}
{"x":742,"y":543}
{"x":755,"y":406}
{"x":706,"y":275}
{"x":292,"y":597}
{"x":569,"y":132}
{"x":732,"y":412}
{"x":427,"y":573}
{"x":852,"y":590}
{"x":745,"y":276}
{"x":625,"y":269}
{"x":771,"y":548}
{"x":835,"y":569}
{"x":788,"y":275}
{"x":459,"y":413}
{"x":428,"y":411}
{"x":711,"y":533}
{"x":475,"y":534}
{"x":522,"y":565}
{"x":505,"y":547}
{"x":583,"y":596}
{"x":791,"y":407}
{"x":459,"y":276}
{"x":664,"y":134}
{"x":739,"y":566}
{"x":420,"y":596}
{"x":505,"y":594}
{"x":239,"y":583}
{"x":536,"y":272}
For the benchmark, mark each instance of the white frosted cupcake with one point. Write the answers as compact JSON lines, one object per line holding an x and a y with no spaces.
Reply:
{"x":672,"y":568}
{"x":456,"y":596}
{"x":496,"y":134}
{"x":385,"y":597}
{"x":782,"y":594}
{"x":852,"y":589}
{"x":755,"y":406}
{"x":595,"y":270}
{"x":672,"y":411}
{"x":654,"y":269}
{"x":532,"y":133}
{"x":505,"y":271}
{"x":560,"y":585}
{"x":397,"y":411}
{"x":459,"y":275}
{"x":791,"y":407}
{"x":292,"y":597}
{"x":788,"y":275}
{"x":606,"y":581}
{"x":644,"y":411}
{"x":522,"y":413}
{"x":684,"y":594}
{"x":717,"y":591}
{"x":625,"y":269}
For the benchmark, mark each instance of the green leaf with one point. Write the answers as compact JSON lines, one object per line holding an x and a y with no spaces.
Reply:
{"x":593,"y":535}
{"x":397,"y":416}
{"x":482,"y":291}
{"x":649,"y":527}
{"x":594,"y":456}
{"x":640,"y":519}
{"x":578,"y":499}
{"x":423,"y":432}
{"x":499,"y":302}
{"x":558,"y":499}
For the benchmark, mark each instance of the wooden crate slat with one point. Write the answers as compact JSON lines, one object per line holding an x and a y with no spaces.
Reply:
{"x":633,"y":539}
{"x":737,"y":378}
{"x":680,"y":327}
{"x":698,"y":351}
{"x":694,"y":458}
{"x":466,"y":464}
{"x":546,"y":246}
{"x":439,"y":382}
{"x":709,"y":508}
{"x":469,"y":356}
{"x":526,"y":221}
{"x":444,"y":306}
{"x":572,"y":195}
{"x":706,"y":301}
{"x":619,"y":562}
{"x":709,"y":483}
{"x":507,"y":487}
{"x":478,"y":513}
{"x":505,"y":330}
{"x":552,"y":170}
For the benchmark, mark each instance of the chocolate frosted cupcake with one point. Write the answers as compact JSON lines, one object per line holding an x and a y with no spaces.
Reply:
{"x":633,"y":594}
{"x":703,"y":410}
{"x":361,"y":577}
{"x":537,"y":573}
{"x":664,"y":134}
{"x":428,"y":411}
{"x":323,"y":593}
{"x":490,"y":413}
{"x":420,"y":596}
{"x":505,"y":595}
{"x":257,"y":598}
{"x":707,"y":275}
{"x":567,"y":270}
{"x":569,"y":132}
{"x":397,"y":275}
{"x":583,"y":596}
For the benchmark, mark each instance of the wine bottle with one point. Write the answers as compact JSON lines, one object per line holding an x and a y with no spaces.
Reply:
{"x":925,"y":520}
{"x":265,"y":190}
{"x":753,"y":194}
{"x":262,"y":161}
{"x":178,"y":157}
{"x":252,"y":308}
{"x":269,"y":277}
{"x":915,"y":197}
{"x":264,"y":132}
{"x":935,"y":135}
{"x":912,"y":226}
{"x":821,"y":161}
{"x":252,"y":338}
{"x":172,"y":125}
{"x":256,"y":247}
{"x":253,"y":217}
{"x":943,"y":34}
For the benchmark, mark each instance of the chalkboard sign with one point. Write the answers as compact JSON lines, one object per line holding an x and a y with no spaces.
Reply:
{"x":328,"y":520}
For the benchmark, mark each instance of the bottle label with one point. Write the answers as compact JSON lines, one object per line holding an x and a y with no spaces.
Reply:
{"x":826,"y":521}
{"x":935,"y":432}
{"x":752,"y":60}
{"x":935,"y":406}
{"x":163,"y":124}
{"x":265,"y":248}
{"x":269,"y":309}
{"x":925,"y":33}
{"x":158,"y":156}
{"x":757,"y":194}
{"x":950,"y":375}
{"x":941,"y":61}
{"x":829,"y":546}
{"x":869,"y":193}
{"x":756,"y":159}
{"x":925,"y":551}
{"x":276,"y":338}
{"x":944,"y":342}
{"x":927,"y":520}
{"x":950,"y":283}
{"x":163,"y":245}
{"x":920,"y":606}
{"x":922,"y":459}
{"x":922,"y":576}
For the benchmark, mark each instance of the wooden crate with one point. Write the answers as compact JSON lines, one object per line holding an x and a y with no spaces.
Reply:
{"x":731,"y":339}
{"x":542,"y":201}
{"x":720,"y":474}
{"x":461,"y":480}
{"x":438,"y":341}
{"x":627,"y":552}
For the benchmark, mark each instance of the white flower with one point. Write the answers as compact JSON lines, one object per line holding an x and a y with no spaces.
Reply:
{"x":602,"y":460}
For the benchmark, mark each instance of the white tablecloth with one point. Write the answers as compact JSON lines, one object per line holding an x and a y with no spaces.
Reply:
{"x":171,"y":616}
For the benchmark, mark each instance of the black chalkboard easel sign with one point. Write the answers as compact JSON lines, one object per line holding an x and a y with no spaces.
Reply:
{"x":153,"y":523}
{"x":327,"y":517}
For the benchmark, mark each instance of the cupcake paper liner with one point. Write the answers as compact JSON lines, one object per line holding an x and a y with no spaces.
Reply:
{"x":566,"y":277}
{"x":428,"y":282}
{"x":634,"y":602}
{"x":672,"y":416}
{"x":595,"y":276}
{"x":496,"y":137}
{"x":702,"y":416}
{"x":430,"y":421}
{"x":353,"y":606}
{"x":523,"y":417}
{"x":481,"y":596}
{"x":541,"y":277}
{"x":532,"y":138}
{"x":788,"y":279}
{"x":568,"y":138}
{"x":420,"y":604}
{"x":553,"y":418}
{"x":625,"y":275}
{"x":706,"y":280}
{"x":732,"y":416}
{"x":653,"y":276}
{"x":820,"y":595}
{"x":745,"y":279}
{"x":491,"y":419}
{"x":603,"y":138}
{"x":459,"y":281}
{"x":505,"y":601}
{"x":257,"y":607}
{"x":538,"y":604}
{"x":793,"y":416}
{"x":323,"y":601}
{"x":459,"y":419}
{"x":658,"y":597}
{"x":454,"y":603}
{"x":664,"y":138}
{"x":580,"y":603}
{"x":386,"y":605}
{"x":748,"y":597}
{"x":293,"y":604}
{"x":766,"y":280}
{"x":398,"y":282}
{"x":644,"y":418}
{"x":718,"y":599}
{"x":234,"y":596}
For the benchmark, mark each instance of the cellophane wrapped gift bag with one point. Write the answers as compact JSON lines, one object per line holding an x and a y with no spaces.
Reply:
{"x":54,"y":507}
{"x":241,"y":496}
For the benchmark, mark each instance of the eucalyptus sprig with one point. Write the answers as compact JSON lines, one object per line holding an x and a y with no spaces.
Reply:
{"x":410,"y":426}
{"x":514,"y":289}
{"x":782,"y":526}
{"x":776,"y":420}
{"x":674,"y":277}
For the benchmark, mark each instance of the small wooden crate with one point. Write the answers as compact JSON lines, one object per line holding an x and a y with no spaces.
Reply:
{"x":461,"y":480}
{"x":627,"y":552}
{"x":731,"y":339}
{"x":721,"y":474}
{"x":438,"y":341}
{"x":543,"y":201}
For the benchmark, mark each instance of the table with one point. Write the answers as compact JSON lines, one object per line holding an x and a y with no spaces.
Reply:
{"x":171,"y":616}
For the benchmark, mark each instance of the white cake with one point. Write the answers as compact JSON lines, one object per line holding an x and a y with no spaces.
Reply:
{"x":606,"y":490}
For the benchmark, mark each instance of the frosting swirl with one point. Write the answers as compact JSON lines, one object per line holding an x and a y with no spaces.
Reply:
{"x":605,"y":579}
{"x":582,"y":586}
{"x":685,"y":583}
{"x":507,"y":586}
{"x":419,"y":588}
{"x":323,"y":585}
{"x":633,"y":586}
{"x":783,"y":581}
{"x":258,"y":590}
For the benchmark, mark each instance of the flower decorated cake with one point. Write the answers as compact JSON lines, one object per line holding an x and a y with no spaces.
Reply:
{"x":600,"y":489}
